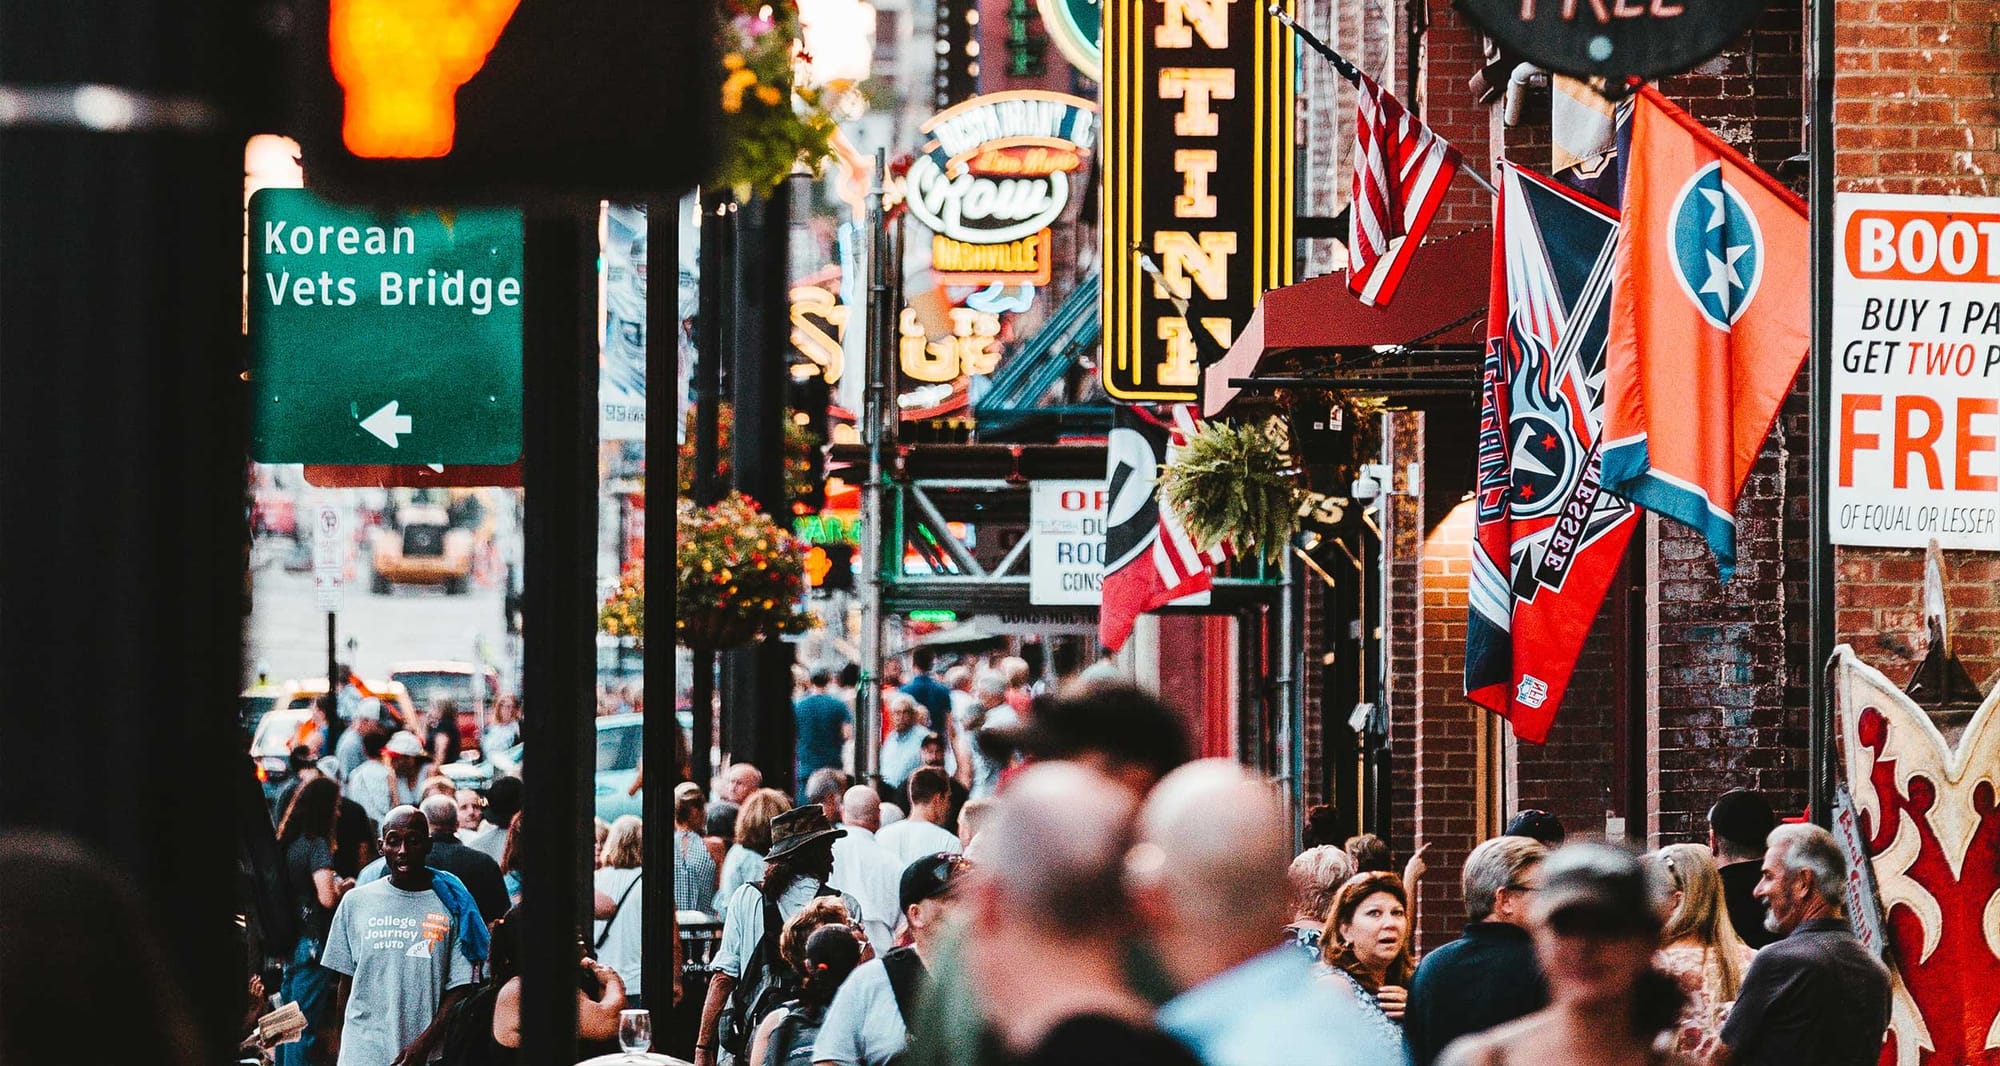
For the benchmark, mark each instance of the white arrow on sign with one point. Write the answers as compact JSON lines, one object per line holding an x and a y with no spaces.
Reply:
{"x":387,"y":425}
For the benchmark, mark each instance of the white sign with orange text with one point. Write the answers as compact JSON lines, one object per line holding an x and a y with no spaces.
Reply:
{"x":1916,"y":372}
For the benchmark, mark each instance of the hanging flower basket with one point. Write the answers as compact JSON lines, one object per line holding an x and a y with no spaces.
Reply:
{"x":741,"y":577}
{"x":1235,"y":484}
{"x":771,"y":125}
{"x":624,"y":614}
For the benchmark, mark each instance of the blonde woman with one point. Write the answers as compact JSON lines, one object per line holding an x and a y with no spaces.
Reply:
{"x":617,"y":880}
{"x":1702,"y":951}
{"x":745,"y":861}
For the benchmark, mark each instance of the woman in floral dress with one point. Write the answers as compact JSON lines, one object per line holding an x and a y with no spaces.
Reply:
{"x":1701,"y":949}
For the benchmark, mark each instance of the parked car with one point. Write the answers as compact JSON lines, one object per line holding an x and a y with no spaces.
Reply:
{"x":400,"y":707}
{"x":258,"y":700}
{"x":424,"y":549}
{"x":471,"y":687}
{"x":620,"y":739}
{"x":271,"y":748}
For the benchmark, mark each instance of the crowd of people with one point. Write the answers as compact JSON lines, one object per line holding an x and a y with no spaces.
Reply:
{"x":397,"y":875}
{"x":1064,"y":883}
{"x":1107,"y":899}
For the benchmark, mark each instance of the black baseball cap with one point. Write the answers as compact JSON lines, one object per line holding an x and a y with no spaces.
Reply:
{"x":932,"y":876}
{"x":1536,"y":824}
{"x":1743,"y":818}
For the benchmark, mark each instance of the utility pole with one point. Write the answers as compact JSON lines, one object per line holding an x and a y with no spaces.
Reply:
{"x":880,"y":331}
{"x":718,"y":223}
{"x":757,"y":697}
{"x":1819,"y":560}
{"x":559,"y":469}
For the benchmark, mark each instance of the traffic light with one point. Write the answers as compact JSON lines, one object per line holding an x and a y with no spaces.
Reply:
{"x":517,"y":100}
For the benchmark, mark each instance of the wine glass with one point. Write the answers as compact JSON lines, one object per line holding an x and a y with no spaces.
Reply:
{"x":635,"y":1031}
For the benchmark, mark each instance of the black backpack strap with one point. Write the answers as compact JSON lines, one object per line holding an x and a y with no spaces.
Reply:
{"x":774,"y":924}
{"x":907,"y":976}
{"x":615,"y":911}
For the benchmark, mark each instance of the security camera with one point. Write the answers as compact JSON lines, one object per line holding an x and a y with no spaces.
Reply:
{"x":1369,"y":485}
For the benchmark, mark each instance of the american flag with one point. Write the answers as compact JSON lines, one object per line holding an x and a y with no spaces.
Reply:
{"x":1185,"y":568}
{"x":1402,"y":171}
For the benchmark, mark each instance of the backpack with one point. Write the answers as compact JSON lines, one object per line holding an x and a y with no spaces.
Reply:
{"x":908,"y":979}
{"x":792,"y":1041}
{"x":468,"y":1030}
{"x":767,"y":982}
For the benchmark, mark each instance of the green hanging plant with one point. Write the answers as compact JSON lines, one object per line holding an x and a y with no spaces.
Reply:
{"x":1235,"y":485}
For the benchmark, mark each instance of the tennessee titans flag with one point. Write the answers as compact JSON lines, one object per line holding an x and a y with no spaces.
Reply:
{"x":1709,"y":325}
{"x":1550,"y":538}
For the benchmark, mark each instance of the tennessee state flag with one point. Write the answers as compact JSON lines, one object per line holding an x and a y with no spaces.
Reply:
{"x":1549,"y":538}
{"x":1710,"y":321}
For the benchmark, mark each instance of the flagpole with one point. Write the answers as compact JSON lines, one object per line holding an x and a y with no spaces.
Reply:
{"x":1353,"y":74}
{"x":1820,"y":559}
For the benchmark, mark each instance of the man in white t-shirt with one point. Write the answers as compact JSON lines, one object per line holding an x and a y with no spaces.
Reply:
{"x":923,"y":832}
{"x":866,"y":869}
{"x":395,"y":946}
{"x":865,"y":1024}
{"x":994,"y":714}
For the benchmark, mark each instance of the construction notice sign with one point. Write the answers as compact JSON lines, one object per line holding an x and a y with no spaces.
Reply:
{"x":1066,"y":552}
{"x":1916,"y":412}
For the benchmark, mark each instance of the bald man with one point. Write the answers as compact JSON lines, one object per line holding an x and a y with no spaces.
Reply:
{"x":864,"y":869}
{"x":1207,"y":879}
{"x":473,"y":868}
{"x":1048,"y":924}
{"x":395,"y":945}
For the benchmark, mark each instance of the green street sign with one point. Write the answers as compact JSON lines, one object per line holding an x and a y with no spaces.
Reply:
{"x":383,"y":336}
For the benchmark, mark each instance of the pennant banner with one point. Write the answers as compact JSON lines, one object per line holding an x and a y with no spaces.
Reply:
{"x":1549,"y":538}
{"x":1710,"y":321}
{"x":1150,"y":561}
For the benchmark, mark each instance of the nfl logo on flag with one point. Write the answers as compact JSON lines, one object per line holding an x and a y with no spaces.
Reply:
{"x":1533,"y":691}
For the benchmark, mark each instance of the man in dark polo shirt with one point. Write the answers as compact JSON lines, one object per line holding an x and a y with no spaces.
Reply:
{"x":1737,"y":826}
{"x":1817,"y":996}
{"x":1488,"y":976}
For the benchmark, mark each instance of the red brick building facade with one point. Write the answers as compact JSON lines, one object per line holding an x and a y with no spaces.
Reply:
{"x":1687,"y":687}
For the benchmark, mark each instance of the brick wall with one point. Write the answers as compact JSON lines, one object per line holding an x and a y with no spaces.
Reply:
{"x":1726,"y":663}
{"x":1919,"y":112}
{"x":1402,"y":538}
{"x":1449,"y":778}
{"x":1453,"y":53}
{"x":1572,"y":776}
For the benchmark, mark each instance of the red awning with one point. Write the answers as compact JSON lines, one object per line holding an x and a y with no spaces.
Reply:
{"x":1447,"y":282}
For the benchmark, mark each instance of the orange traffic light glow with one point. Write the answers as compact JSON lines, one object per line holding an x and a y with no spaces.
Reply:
{"x":401,"y":62}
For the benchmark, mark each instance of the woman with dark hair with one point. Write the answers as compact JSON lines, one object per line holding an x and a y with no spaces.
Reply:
{"x":306,"y":835}
{"x":1366,"y":948}
{"x":1596,"y":922}
{"x":787,"y":1034}
{"x":600,"y":996}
